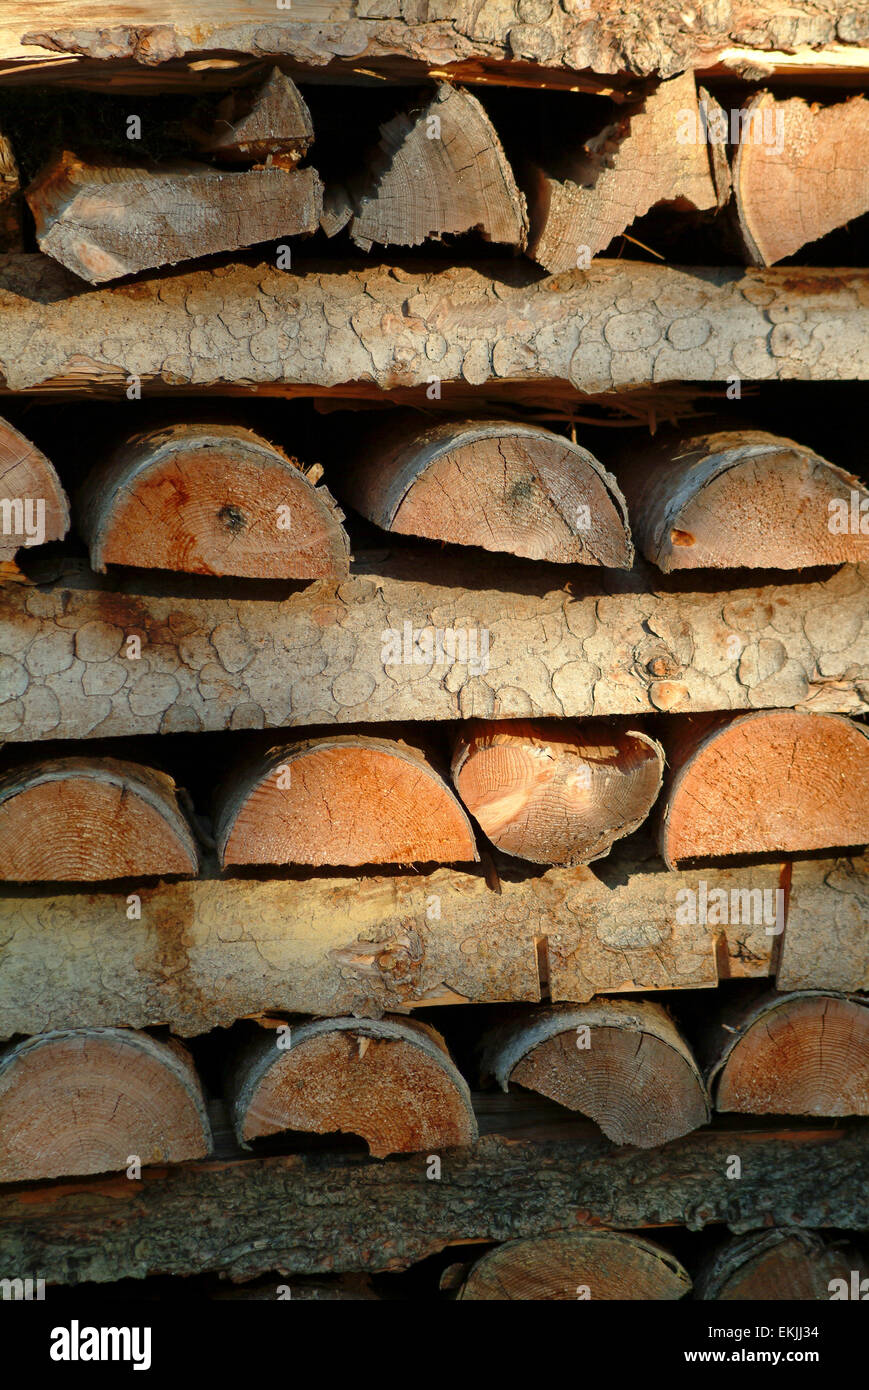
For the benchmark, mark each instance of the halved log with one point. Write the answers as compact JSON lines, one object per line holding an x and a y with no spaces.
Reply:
{"x":211,"y":499}
{"x":558,"y":793}
{"x":93,"y":1100}
{"x":494,"y":484}
{"x":10,"y":199}
{"x":348,"y":799}
{"x":93,"y":819}
{"x":440,"y":170}
{"x":773,"y":781}
{"x":742,"y":498}
{"x":33,"y":504}
{"x":390,"y":1081}
{"x":580,"y":202}
{"x":771,"y":1266}
{"x":622,"y":1063}
{"x":805,"y":1053}
{"x":799,"y":172}
{"x":252,"y":124}
{"x":103,"y":220}
{"x":577,"y":1265}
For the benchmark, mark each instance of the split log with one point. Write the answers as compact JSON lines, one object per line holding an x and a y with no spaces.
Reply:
{"x":556,"y":794}
{"x":494,"y":484}
{"x":271,"y":121}
{"x":96,"y":1100}
{"x":805,"y":1053}
{"x":103,"y":220}
{"x":781,"y":1265}
{"x":92,"y":819}
{"x":742,"y":498}
{"x":579,"y":203}
{"x":389,"y":1081}
{"x":440,"y":170}
{"x":33,"y":504}
{"x":343,"y":800}
{"x":577,"y":1265}
{"x":799,"y":172}
{"x":211,"y":499}
{"x":770,"y":782}
{"x":624,"y":1064}
{"x":824,"y":943}
{"x":10,"y":199}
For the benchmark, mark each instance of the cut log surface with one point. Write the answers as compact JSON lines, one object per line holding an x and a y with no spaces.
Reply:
{"x":440,"y":170}
{"x":799,"y":172}
{"x":770,"y":782}
{"x":580,"y":203}
{"x":742,"y":498}
{"x":91,"y":819}
{"x":10,"y":199}
{"x":33,"y":504}
{"x":269,"y":120}
{"x":344,"y":800}
{"x":211,"y":499}
{"x":103,"y":220}
{"x":491,"y":483}
{"x":622,"y":1063}
{"x":92,"y":1100}
{"x":389,"y":1081}
{"x":577,"y":1265}
{"x":560,"y":793}
{"x":805,"y":1053}
{"x":781,"y":1265}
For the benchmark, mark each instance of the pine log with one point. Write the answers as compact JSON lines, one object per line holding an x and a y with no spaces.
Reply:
{"x":770,"y":782}
{"x":787,"y":1264}
{"x":94,"y":1100}
{"x":805,"y":1053}
{"x":624,"y":1064}
{"x":556,"y":794}
{"x":254,"y":124}
{"x":799,"y":172}
{"x":439,"y":170}
{"x":11,"y":238}
{"x":742,"y":498}
{"x":580,"y":202}
{"x":91,"y":819}
{"x":577,"y":1265}
{"x":348,"y":799}
{"x":390,"y":1081}
{"x":211,"y":499}
{"x":495,"y":484}
{"x":103,"y":220}
{"x":33,"y":504}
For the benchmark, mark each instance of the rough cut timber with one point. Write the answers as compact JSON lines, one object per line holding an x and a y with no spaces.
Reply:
{"x":824,"y":945}
{"x":513,"y":644}
{"x":94,"y":1100}
{"x":211,"y":499}
{"x":344,"y":800}
{"x":618,"y":325}
{"x":103,"y":220}
{"x":556,"y":793}
{"x":577,"y":1265}
{"x":495,"y":484}
{"x":742,"y":499}
{"x":624,"y":1064}
{"x":10,"y":199}
{"x":439,"y":170}
{"x":91,"y":819}
{"x":317,"y":1213}
{"x":785,"y":1264}
{"x":582,"y":201}
{"x":770,"y":782}
{"x":805,"y":1053}
{"x":254,"y":124}
{"x":33,"y":505}
{"x":390,"y":1081}
{"x":799,"y":172}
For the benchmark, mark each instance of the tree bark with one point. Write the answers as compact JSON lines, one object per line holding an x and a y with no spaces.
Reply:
{"x":824,"y":946}
{"x":38,"y":508}
{"x":588,"y":1264}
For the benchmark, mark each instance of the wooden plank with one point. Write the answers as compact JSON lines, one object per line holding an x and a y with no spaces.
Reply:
{"x":483,"y":641}
{"x":617,"y":325}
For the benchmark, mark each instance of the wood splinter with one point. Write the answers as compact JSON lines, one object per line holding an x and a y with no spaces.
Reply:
{"x":573,"y":1265}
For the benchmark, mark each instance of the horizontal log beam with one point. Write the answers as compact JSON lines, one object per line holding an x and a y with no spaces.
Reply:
{"x":513,"y":644}
{"x":370,"y":329}
{"x":202,"y":954}
{"x":314,"y":1213}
